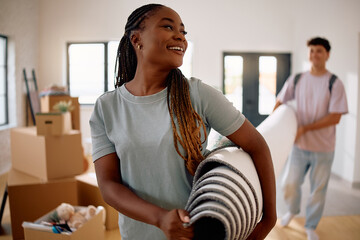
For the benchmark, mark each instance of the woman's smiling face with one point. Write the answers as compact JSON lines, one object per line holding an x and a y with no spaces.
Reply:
{"x":162,"y":39}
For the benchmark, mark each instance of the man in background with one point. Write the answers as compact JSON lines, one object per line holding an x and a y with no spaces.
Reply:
{"x":320,"y":101}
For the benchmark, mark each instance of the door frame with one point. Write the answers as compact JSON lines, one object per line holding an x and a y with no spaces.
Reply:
{"x":251,"y":79}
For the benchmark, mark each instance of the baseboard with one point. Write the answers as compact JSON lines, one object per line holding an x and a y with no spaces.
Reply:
{"x":353,"y":185}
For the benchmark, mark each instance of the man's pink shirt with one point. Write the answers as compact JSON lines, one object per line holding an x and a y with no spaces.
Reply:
{"x":313,"y":102}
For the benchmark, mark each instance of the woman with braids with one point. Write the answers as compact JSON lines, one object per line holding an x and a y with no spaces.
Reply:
{"x":150,"y":133}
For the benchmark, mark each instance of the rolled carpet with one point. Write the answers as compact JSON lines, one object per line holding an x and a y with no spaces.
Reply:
{"x":226,"y":198}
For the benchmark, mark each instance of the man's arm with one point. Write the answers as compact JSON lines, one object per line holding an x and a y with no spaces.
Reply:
{"x":277,"y":104}
{"x":327,"y":121}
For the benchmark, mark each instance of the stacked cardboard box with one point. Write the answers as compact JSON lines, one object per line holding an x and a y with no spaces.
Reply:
{"x":47,"y":105}
{"x":46,"y":157}
{"x":43,"y":174}
{"x":56,"y":124}
{"x":31,"y":197}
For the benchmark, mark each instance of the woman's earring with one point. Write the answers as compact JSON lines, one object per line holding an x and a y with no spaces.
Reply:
{"x":139,"y":46}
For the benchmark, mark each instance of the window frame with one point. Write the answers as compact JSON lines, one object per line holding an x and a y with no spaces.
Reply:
{"x":106,"y":63}
{"x":6,"y":109}
{"x":105,"y":43}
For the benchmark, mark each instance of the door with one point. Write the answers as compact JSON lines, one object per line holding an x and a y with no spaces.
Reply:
{"x":252,"y":81}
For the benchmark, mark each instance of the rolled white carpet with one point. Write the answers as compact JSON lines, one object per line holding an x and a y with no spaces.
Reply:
{"x":279,"y":131}
{"x":226,"y":198}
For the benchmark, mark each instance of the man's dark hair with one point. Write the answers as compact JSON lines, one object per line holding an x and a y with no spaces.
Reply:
{"x":319,"y":41}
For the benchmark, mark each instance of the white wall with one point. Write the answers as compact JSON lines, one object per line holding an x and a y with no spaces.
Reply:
{"x":356,"y":181}
{"x":19,"y":22}
{"x":213,"y":27}
{"x":217,"y":26}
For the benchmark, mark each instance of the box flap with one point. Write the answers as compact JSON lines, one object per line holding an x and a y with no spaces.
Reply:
{"x":89,"y":178}
{"x":25,"y":130}
{"x":16,"y":177}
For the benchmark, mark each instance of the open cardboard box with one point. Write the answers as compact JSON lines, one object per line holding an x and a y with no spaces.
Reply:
{"x":46,"y":157}
{"x":93,"y":229}
{"x":89,"y":194}
{"x":55,"y":123}
{"x":31,"y":197}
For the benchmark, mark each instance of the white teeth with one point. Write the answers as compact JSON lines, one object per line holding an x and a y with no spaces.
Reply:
{"x":176,"y":48}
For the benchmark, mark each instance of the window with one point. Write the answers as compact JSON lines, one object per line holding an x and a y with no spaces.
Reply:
{"x":267,"y":84}
{"x":4,"y":118}
{"x":186,"y":68}
{"x":91,"y":68}
{"x":233,"y":77}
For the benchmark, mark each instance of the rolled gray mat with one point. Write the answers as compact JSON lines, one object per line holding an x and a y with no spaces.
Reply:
{"x":226,"y":198}
{"x":222,"y":173}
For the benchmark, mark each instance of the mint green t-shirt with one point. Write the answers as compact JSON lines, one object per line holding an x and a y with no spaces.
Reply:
{"x":138,"y":129}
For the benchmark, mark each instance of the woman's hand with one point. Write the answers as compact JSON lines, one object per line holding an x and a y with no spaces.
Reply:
{"x":171,"y":224}
{"x":128,"y":203}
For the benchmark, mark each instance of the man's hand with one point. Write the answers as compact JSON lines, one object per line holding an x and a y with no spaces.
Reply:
{"x":300,"y":131}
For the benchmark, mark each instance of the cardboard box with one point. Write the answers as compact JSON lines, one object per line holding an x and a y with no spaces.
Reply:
{"x":93,"y":229}
{"x":55,"y":124}
{"x":47,"y":103}
{"x":31,"y":197}
{"x":46,"y":157}
{"x":89,"y":194}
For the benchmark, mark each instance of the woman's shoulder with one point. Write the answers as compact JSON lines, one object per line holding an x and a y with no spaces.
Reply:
{"x":198,"y":86}
{"x":195,"y":86}
{"x":107,"y":99}
{"x":193,"y":82}
{"x":107,"y":96}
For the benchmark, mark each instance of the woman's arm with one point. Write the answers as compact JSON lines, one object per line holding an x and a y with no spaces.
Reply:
{"x":251,"y":141}
{"x":128,"y":203}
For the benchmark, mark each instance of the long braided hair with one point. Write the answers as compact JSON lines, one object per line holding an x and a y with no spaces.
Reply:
{"x":178,"y":93}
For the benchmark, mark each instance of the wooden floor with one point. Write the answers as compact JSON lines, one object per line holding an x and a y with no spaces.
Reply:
{"x":330,"y":228}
